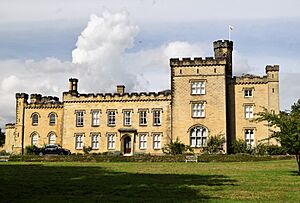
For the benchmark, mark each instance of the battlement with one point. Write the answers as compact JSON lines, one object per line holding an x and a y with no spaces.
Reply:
{"x":38,"y":98}
{"x":272,"y":68}
{"x":118,"y":97}
{"x":10,"y":126}
{"x":197,"y":61}
{"x":21,"y":95}
{"x":250,"y":79}
{"x":223,"y":44}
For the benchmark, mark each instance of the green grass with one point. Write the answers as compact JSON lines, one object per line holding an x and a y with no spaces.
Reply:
{"x":272,"y":181}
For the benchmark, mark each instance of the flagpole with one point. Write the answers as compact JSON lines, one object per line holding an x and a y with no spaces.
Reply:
{"x":229,"y":33}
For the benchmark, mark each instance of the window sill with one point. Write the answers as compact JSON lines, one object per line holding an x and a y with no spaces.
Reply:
{"x":198,"y":117}
{"x":156,"y":124}
{"x":95,"y":125}
{"x":143,"y":125}
{"x":79,"y":126}
{"x":111,"y":125}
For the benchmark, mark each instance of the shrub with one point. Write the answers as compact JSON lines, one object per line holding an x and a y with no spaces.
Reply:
{"x":276,"y":150}
{"x":239,"y":146}
{"x":176,"y":147}
{"x":30,"y":149}
{"x":4,"y":153}
{"x":87,"y":150}
{"x":215,"y":144}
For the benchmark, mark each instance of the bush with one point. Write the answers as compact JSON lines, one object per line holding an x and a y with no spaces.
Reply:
{"x":4,"y":153}
{"x":30,"y":149}
{"x":276,"y":150}
{"x":176,"y":147}
{"x":239,"y":146}
{"x":87,"y":150}
{"x":215,"y":144}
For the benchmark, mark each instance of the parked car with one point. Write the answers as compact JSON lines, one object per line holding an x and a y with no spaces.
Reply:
{"x":52,"y":149}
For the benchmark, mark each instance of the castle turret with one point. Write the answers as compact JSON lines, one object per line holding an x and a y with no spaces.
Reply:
{"x":223,"y":50}
{"x":120,"y":89}
{"x":21,"y":101}
{"x":273,"y":87}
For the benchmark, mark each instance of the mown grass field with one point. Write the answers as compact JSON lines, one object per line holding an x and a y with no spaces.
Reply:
{"x":270,"y":181}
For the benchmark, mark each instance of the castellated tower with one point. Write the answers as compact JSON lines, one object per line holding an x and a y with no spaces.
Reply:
{"x":21,"y":101}
{"x":199,"y":100}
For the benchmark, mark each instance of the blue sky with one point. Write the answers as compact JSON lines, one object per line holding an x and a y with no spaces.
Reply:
{"x":37,"y":39}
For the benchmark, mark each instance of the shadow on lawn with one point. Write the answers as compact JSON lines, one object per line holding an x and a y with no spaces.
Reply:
{"x":40,"y":183}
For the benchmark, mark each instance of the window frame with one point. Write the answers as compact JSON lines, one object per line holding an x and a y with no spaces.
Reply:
{"x":247,"y":91}
{"x":157,"y":118}
{"x":127,"y":118}
{"x":156,"y":141}
{"x":198,"y":107}
{"x":143,"y":137}
{"x":198,"y":87}
{"x":251,"y":133}
{"x":79,"y":118}
{"x":49,"y":138}
{"x":79,"y":143}
{"x":93,"y":113}
{"x":143,"y":117}
{"x":35,"y":119}
{"x":95,"y":143}
{"x":111,"y":143}
{"x":34,"y":142}
{"x":200,"y":138}
{"x":248,"y":111}
{"x":51,"y":117}
{"x":111,"y":117}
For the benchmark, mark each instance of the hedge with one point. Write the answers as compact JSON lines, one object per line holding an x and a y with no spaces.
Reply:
{"x":146,"y":158}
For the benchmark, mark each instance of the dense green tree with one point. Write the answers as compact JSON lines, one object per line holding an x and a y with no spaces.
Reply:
{"x":287,"y":129}
{"x":2,"y":138}
{"x":176,"y":147}
{"x":215,"y":144}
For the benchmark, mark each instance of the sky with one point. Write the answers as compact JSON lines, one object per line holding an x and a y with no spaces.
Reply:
{"x":105,"y":43}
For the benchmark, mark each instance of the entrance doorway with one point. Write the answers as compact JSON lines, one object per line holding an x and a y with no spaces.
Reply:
{"x":127,"y":145}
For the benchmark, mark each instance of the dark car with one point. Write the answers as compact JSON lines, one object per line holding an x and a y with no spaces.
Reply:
{"x":52,"y":149}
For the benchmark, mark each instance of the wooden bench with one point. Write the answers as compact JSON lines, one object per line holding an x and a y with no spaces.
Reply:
{"x":4,"y":158}
{"x":193,"y":158}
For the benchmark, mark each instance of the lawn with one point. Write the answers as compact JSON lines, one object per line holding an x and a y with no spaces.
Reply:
{"x":270,"y":181}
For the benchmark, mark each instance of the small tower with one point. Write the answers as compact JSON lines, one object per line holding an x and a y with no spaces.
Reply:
{"x":223,"y":50}
{"x":21,"y":101}
{"x":73,"y":86}
{"x":273,"y":87}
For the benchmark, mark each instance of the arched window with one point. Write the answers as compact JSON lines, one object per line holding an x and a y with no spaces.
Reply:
{"x":34,"y":139}
{"x":52,"y":138}
{"x":35,"y":119}
{"x":52,"y":119}
{"x":198,"y":136}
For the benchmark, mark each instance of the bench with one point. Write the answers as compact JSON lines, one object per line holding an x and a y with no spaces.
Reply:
{"x":193,"y":158}
{"x":4,"y":158}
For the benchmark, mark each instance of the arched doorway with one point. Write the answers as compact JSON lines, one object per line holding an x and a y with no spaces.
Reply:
{"x":127,"y":145}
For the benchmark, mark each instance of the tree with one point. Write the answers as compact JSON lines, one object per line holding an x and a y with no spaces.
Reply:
{"x":287,"y":129}
{"x":2,"y":138}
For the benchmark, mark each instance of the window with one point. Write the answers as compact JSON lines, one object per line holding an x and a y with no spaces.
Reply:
{"x":127,"y":117}
{"x":198,"y":87}
{"x":95,"y":118}
{"x":95,"y":141}
{"x":79,"y":118}
{"x":249,"y":111}
{"x":111,"y":141}
{"x":249,"y":138}
{"x":248,"y":93}
{"x":79,"y":141}
{"x":52,"y":119}
{"x":156,"y":141}
{"x":111,"y":117}
{"x":143,"y":117}
{"x":156,"y":117}
{"x":35,"y":119}
{"x":143,"y":141}
{"x":198,"y":110}
{"x":52,"y":138}
{"x":34,"y":139}
{"x":198,"y":136}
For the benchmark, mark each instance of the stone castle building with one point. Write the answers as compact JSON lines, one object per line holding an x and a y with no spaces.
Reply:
{"x":205,"y":99}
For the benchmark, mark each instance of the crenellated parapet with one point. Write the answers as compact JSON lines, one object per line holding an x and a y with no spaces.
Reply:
{"x":185,"y":62}
{"x":38,"y":101}
{"x":118,"y":97}
{"x":249,"y":79}
{"x":10,"y":126}
{"x":272,"y":68}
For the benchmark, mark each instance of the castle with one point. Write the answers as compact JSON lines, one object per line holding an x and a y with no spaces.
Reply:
{"x":205,"y":100}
